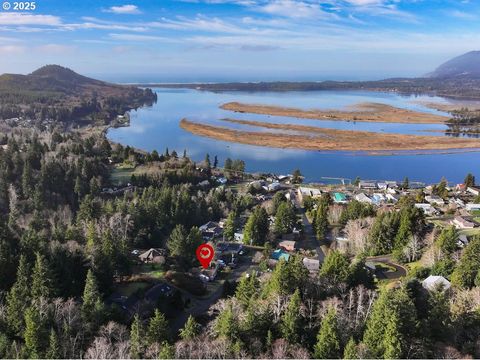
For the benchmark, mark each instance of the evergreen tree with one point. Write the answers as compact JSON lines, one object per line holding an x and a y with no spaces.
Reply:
{"x":350,"y":351}
{"x":285,"y":219}
{"x":320,"y":222}
{"x":382,"y":235}
{"x":469,"y":180}
{"x":215,"y":162}
{"x":392,"y":341}
{"x":34,"y":335}
{"x":158,"y":328}
{"x":247,"y":289}
{"x":41,"y":279}
{"x":466,"y":271}
{"x":18,"y":298}
{"x":230,"y":226}
{"x":438,"y":315}
{"x":406,"y":183}
{"x":54,"y":350}
{"x":167,"y":351}
{"x":207,"y":161}
{"x":177,"y":242}
{"x":291,"y":319}
{"x":256,"y":229}
{"x":226,"y":324}
{"x":328,"y":339}
{"x":297,"y":177}
{"x":194,"y":240}
{"x":92,"y":306}
{"x":27,"y":180}
{"x":136,"y":338}
{"x":335,"y":268}
{"x":190,"y":330}
{"x":447,"y":240}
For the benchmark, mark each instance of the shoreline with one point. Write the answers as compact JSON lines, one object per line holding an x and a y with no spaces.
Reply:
{"x":362,"y":112}
{"x":327,"y":139}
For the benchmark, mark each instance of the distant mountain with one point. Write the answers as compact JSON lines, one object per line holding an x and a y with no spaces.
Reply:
{"x":56,"y":93}
{"x":463,"y":66}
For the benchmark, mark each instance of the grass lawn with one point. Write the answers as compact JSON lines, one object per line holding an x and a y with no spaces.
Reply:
{"x":384,"y":267}
{"x":120,"y":176}
{"x":128,"y":289}
{"x":151,"y":270}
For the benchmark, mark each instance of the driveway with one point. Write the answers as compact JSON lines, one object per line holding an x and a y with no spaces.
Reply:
{"x":310,"y":241}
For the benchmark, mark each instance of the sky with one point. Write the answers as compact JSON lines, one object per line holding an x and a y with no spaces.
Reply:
{"x":239,"y":40}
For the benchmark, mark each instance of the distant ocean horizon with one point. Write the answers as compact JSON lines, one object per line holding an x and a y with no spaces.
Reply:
{"x":166,"y":78}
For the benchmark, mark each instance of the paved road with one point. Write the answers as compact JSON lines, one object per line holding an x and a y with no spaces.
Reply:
{"x":201,"y":305}
{"x":400,"y":271}
{"x":310,"y":239}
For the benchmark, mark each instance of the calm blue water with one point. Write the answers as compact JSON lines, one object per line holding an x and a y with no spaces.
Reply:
{"x":157,"y":127}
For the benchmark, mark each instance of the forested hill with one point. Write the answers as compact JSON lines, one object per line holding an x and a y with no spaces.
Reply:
{"x":456,"y":78}
{"x":57,"y":94}
{"x":463,"y":66}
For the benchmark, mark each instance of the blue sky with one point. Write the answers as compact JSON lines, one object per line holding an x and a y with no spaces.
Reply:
{"x":221,"y":40}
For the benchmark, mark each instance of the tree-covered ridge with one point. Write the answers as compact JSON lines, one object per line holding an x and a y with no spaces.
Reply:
{"x":56,"y":94}
{"x":66,"y":242}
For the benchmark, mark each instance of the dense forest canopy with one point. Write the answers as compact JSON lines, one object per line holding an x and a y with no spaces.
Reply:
{"x":56,"y":94}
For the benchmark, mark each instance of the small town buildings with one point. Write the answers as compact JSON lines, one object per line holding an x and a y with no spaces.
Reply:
{"x":363,"y":184}
{"x":391,"y":198}
{"x":428,"y":209}
{"x":238,"y":236}
{"x":457,"y":202}
{"x":472,"y":207}
{"x":433,"y":282}
{"x":210,"y":230}
{"x":280,"y":254}
{"x":363,"y":198}
{"x":153,"y":256}
{"x":473,"y":190}
{"x":339,"y":198}
{"x":434,"y":200}
{"x":378,"y":198}
{"x":274,"y":186}
{"x":461,"y":223}
{"x":308,"y":191}
{"x":288,"y":245}
{"x":312,"y":265}
{"x":460,"y":187}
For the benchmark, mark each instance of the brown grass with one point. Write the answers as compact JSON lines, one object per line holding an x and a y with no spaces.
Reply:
{"x":365,"y":112}
{"x":327,"y":139}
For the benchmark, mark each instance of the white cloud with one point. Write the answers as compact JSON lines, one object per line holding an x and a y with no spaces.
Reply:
{"x":136,"y":37}
{"x":12,"y":49}
{"x":124,"y":9}
{"x":55,"y":49}
{"x":293,"y":9}
{"x":11,"y":18}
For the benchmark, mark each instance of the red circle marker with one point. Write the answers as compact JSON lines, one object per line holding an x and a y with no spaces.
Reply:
{"x":205,"y":254}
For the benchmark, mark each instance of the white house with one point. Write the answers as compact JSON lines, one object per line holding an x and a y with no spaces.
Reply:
{"x":473,"y":190}
{"x":472,"y":207}
{"x":436,"y":282}
{"x":363,"y":198}
{"x":434,"y":199}
{"x":427,"y":209}
{"x":461,"y":223}
{"x":307,"y":191}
